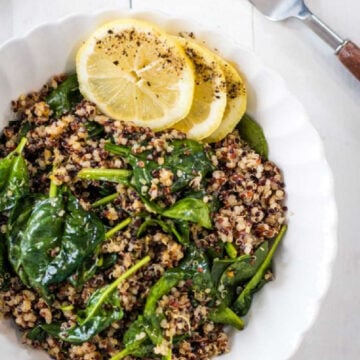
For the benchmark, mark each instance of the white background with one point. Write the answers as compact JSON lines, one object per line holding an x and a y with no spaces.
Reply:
{"x":330,"y":95}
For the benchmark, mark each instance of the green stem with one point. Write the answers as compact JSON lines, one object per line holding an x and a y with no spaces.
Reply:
{"x":231,"y":250}
{"x":121,"y":354}
{"x":112,"y":175}
{"x":240,"y":302}
{"x":168,"y":355}
{"x":225,"y":315}
{"x":117,"y":228}
{"x":105,"y":200}
{"x":53,"y":189}
{"x":19,"y":149}
{"x":67,"y":308}
{"x":115,"y":284}
{"x":117,"y":150}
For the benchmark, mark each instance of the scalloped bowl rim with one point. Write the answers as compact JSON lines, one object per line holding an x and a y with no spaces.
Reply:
{"x":313,"y":305}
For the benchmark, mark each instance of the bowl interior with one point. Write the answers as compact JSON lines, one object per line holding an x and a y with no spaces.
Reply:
{"x":285,"y":308}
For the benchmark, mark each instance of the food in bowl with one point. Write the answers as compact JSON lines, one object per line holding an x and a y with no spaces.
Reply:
{"x":119,"y":241}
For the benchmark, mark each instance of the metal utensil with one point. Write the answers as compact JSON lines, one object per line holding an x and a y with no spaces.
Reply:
{"x":346,"y":51}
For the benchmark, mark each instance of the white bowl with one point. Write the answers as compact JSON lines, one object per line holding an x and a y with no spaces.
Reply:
{"x":285,"y":308}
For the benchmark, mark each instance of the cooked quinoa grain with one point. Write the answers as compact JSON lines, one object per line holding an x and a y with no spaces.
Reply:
{"x":248,"y":192}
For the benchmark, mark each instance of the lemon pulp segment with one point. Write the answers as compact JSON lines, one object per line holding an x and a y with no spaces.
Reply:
{"x":134,"y":71}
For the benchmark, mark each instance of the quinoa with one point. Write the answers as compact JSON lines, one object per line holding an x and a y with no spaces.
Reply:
{"x":249,"y":189}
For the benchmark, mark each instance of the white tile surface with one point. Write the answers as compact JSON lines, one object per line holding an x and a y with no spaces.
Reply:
{"x":330,"y":95}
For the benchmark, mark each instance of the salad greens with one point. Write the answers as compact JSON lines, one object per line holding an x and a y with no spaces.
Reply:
{"x":239,"y":271}
{"x":253,"y":134}
{"x":65,"y":96}
{"x":14,"y":177}
{"x":38,"y":225}
{"x":5,"y":270}
{"x":190,"y":209}
{"x":242,"y":304}
{"x":51,"y":239}
{"x":187,"y":161}
{"x":179,"y":229}
{"x":187,"y":209}
{"x":102,"y":309}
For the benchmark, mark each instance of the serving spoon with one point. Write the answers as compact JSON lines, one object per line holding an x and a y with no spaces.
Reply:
{"x":346,"y":51}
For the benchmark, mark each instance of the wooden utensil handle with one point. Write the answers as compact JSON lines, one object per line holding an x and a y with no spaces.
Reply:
{"x":349,"y":55}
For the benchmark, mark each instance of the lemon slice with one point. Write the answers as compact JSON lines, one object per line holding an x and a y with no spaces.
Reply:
{"x":134,"y":71}
{"x":236,"y":101}
{"x":209,"y":101}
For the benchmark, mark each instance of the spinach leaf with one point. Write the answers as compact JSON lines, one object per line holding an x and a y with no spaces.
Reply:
{"x":24,"y":129}
{"x":95,"y":261}
{"x":213,"y":203}
{"x":5,"y":269}
{"x":196,"y":268}
{"x":145,"y":333}
{"x":14,"y":177}
{"x":90,"y":267}
{"x":136,"y":341}
{"x":189,"y":209}
{"x":102,"y":309}
{"x":251,"y":132}
{"x":186,"y":209}
{"x":220,"y":265}
{"x":39,"y":226}
{"x":94,"y":129}
{"x":170,"y":279}
{"x":179,"y":229}
{"x":187,"y":161}
{"x":240,"y":271}
{"x":82,"y":234}
{"x":242,"y":304}
{"x":65,"y":96}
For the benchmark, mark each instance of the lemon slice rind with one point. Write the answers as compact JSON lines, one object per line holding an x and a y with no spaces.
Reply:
{"x":236,"y":101}
{"x":209,"y":100}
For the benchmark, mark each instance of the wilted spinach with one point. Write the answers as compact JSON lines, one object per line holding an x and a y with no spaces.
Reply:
{"x":14,"y":177}
{"x":145,"y":332}
{"x":189,"y":209}
{"x":242,"y":304}
{"x":179,"y":229}
{"x":48,"y":239}
{"x":239,"y":271}
{"x":253,"y":134}
{"x":96,"y":261}
{"x":5,"y":269}
{"x":94,"y":129}
{"x":187,"y":161}
{"x":136,"y":341}
{"x":102,"y":309}
{"x":220,"y":265}
{"x":65,"y":96}
{"x":196,"y":268}
{"x":186,"y":209}
{"x":90,"y":267}
{"x":170,"y":279}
